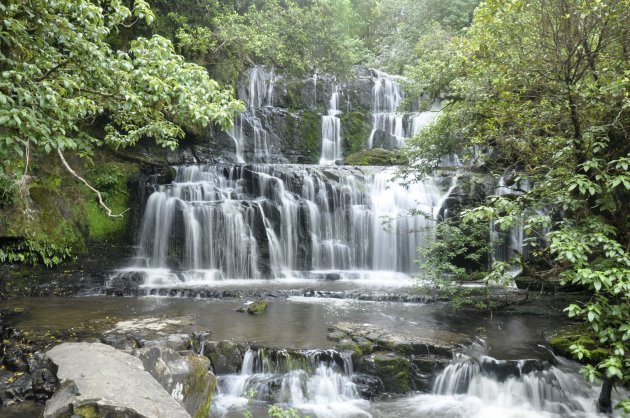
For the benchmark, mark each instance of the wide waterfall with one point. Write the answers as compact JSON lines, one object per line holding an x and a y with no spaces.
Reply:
{"x":251,"y":221}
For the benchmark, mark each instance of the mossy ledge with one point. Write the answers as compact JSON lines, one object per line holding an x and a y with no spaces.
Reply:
{"x":375,"y":156}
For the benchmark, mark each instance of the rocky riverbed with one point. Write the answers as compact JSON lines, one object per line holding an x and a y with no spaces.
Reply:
{"x":395,"y":348}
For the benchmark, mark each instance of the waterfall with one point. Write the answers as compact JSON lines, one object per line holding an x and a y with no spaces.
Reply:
{"x":385,"y":117}
{"x":390,"y":126}
{"x":251,"y":221}
{"x":316,"y":382}
{"x":508,"y":244}
{"x":331,"y":131}
{"x":256,"y":92}
{"x":518,"y":386}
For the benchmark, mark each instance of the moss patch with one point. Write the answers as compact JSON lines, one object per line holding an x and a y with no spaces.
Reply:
{"x":393,"y":372}
{"x":294,"y":92}
{"x":374,"y":156}
{"x":111,"y":179}
{"x":355,"y":130}
{"x":581,"y":335}
{"x":258,"y":307}
{"x":308,"y":131}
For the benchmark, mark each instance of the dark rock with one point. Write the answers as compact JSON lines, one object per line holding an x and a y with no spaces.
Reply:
{"x":501,"y":370}
{"x":369,"y":387}
{"x":226,"y":356}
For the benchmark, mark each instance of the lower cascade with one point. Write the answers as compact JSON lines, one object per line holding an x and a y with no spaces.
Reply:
{"x":320,"y":383}
{"x":317,"y":382}
{"x":484,"y":387}
{"x":267,"y":221}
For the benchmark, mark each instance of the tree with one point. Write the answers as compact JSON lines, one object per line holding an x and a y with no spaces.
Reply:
{"x":542,"y":88}
{"x":60,"y":80}
{"x":227,"y":37}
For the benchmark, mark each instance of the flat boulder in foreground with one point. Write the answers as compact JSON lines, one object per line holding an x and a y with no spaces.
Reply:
{"x":98,"y":380}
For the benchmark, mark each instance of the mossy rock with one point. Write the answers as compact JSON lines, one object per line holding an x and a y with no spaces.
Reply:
{"x":374,"y":156}
{"x":394,"y":372}
{"x":257,"y":308}
{"x":355,"y":130}
{"x":561,"y":343}
{"x":347,"y":344}
{"x":200,"y":386}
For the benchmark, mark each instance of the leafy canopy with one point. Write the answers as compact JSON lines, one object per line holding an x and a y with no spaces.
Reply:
{"x":59,"y":76}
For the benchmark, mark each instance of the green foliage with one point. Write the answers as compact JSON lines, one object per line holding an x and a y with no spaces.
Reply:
{"x":59,"y":74}
{"x":457,"y":254}
{"x":356,"y":129}
{"x":7,"y":191}
{"x":276,"y":411}
{"x":229,"y":36}
{"x":27,"y":251}
{"x":543,"y":88}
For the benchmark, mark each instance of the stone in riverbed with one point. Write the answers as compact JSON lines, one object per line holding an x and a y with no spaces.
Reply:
{"x":186,"y":377}
{"x":258,"y":307}
{"x":102,"y":381}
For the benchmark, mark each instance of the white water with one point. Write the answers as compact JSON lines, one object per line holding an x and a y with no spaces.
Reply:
{"x":385,"y":117}
{"x":331,"y":131}
{"x":257,"y":93}
{"x":315,"y":382}
{"x":236,"y":222}
{"x":319,"y":384}
{"x":469,"y":388}
{"x":389,"y":120}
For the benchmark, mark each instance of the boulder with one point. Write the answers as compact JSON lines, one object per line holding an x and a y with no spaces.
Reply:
{"x":98,"y":380}
{"x":257,"y":308}
{"x":185,"y":377}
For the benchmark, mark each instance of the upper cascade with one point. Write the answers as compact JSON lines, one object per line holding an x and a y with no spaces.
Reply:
{"x":391,"y":126}
{"x":257,"y":92}
{"x":331,"y":131}
{"x":364,"y":111}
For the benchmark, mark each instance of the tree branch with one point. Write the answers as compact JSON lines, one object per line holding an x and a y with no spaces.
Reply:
{"x":100,"y":197}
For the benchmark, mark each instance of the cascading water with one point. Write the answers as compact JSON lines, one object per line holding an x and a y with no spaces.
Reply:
{"x":257,"y":93}
{"x":387,"y":98}
{"x":508,"y":244}
{"x":478,"y":386}
{"x":390,"y":126}
{"x":250,"y":221}
{"x":331,"y":131}
{"x":317,"y":382}
{"x":421,"y":120}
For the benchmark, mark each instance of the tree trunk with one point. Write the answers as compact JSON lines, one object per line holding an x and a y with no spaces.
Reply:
{"x":604,"y":403}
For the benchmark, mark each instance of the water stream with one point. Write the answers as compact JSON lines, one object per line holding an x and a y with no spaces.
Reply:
{"x":283,"y":228}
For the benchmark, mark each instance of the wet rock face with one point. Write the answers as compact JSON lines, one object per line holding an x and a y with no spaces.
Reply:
{"x":285,"y":111}
{"x":26,"y":373}
{"x":399,"y":363}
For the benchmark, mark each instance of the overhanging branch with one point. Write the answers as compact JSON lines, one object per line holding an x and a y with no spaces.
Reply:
{"x":100,"y":197}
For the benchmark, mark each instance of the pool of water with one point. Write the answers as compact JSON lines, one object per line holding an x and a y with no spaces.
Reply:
{"x":296,"y":322}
